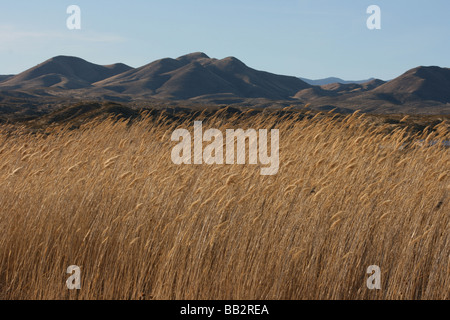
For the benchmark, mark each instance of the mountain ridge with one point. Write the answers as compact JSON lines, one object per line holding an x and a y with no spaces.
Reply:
{"x":64,"y":72}
{"x":197,"y":77}
{"x":331,"y":80}
{"x":196,"y":74}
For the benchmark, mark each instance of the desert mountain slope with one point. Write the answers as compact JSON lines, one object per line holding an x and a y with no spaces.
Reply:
{"x":200,"y":79}
{"x":330,"y":80}
{"x":421,"y":83}
{"x":338,"y":90}
{"x":5,"y":77}
{"x":63,"y":72}
{"x":196,"y":75}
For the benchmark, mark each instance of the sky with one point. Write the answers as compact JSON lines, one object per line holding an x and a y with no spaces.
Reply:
{"x":305,"y":38}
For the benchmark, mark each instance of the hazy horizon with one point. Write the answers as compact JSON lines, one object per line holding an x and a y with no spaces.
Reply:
{"x":303,"y":38}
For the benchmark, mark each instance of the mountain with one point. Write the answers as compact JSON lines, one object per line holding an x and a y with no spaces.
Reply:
{"x":418,"y":84}
{"x":419,"y":90}
{"x":338,"y":89}
{"x":168,"y":78}
{"x":353,"y":87}
{"x":198,"y":79}
{"x":198,"y":76}
{"x":5,"y":77}
{"x":63,"y":72}
{"x":330,"y":80}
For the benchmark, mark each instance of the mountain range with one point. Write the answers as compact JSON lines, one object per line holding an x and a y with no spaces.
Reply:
{"x":330,"y":80}
{"x":197,"y":78}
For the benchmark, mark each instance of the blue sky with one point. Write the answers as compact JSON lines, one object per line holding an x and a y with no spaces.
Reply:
{"x":305,"y":38}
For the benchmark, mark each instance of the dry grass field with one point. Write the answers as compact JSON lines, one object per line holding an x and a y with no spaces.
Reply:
{"x":107,"y":197}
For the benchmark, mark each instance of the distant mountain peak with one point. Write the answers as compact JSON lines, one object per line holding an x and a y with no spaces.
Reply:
{"x":427,"y":71}
{"x":65,"y":58}
{"x":193,"y":57}
{"x":196,"y":75}
{"x":421,"y":83}
{"x":232,"y":59}
{"x":231,"y":64}
{"x":64,"y":72}
{"x":330,"y":80}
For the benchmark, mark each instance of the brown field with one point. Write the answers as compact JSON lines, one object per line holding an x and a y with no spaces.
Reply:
{"x":107,"y":197}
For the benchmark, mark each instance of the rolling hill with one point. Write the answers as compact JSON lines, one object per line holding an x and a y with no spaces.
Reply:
{"x":197,"y":78}
{"x":5,"y":77}
{"x":422,"y":83}
{"x":330,"y":80}
{"x":64,"y":73}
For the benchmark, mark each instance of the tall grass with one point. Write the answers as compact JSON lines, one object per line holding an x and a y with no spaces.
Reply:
{"x":108,"y":198}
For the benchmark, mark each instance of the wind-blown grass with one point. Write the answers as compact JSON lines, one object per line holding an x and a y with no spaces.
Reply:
{"x":108,"y":198}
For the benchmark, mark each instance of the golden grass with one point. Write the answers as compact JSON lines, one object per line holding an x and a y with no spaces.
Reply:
{"x":106,"y":197}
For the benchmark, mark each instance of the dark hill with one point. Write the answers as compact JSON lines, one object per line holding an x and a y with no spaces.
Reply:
{"x":63,"y":72}
{"x":197,"y":78}
{"x":196,"y":74}
{"x":331,"y":80}
{"x":422,"y":83}
{"x":5,"y":77}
